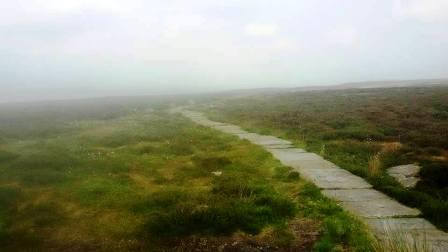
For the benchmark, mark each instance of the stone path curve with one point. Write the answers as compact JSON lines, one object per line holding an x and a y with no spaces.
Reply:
{"x":383,"y":215}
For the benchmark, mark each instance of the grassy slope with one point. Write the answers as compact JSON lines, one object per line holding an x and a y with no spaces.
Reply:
{"x":355,"y":128}
{"x":143,"y":180}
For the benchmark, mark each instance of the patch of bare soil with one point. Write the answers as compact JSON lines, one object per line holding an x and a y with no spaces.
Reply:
{"x":300,"y":235}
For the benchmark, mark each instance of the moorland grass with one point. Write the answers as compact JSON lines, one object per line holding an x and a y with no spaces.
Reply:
{"x":143,"y":179}
{"x":356,"y":128}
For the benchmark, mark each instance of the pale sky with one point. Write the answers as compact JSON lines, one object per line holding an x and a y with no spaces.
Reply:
{"x":75,"y":48}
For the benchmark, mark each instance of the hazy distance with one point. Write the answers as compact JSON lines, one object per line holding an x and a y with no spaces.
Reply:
{"x":53,"y":49}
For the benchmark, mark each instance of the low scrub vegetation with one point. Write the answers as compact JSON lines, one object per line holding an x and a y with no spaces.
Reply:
{"x":364,"y":131}
{"x":143,"y":179}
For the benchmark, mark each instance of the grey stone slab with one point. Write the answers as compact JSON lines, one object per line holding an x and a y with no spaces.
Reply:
{"x":249,"y":136}
{"x":405,"y":170}
{"x":205,"y":122}
{"x":385,"y":225}
{"x":407,"y":182}
{"x":230,"y":129}
{"x":370,"y":203}
{"x":379,"y":209}
{"x":209,"y":123}
{"x":298,"y":156}
{"x":355,"y":195}
{"x":200,"y":118}
{"x":406,"y":175}
{"x":279,"y":146}
{"x":287,"y":155}
{"x":245,"y":136}
{"x":264,"y":140}
{"x":314,"y":164}
{"x":334,"y":178}
{"x":416,"y":231}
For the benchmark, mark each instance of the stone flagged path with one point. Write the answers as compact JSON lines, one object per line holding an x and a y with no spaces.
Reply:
{"x":383,"y":215}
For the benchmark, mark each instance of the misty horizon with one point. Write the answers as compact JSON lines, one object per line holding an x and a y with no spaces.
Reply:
{"x":17,"y":96}
{"x":79,"y":49}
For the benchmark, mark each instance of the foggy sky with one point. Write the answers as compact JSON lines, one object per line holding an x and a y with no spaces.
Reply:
{"x":78,"y":48}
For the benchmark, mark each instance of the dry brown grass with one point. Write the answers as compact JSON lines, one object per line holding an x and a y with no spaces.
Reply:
{"x":400,"y":241}
{"x":391,"y":146}
{"x":374,"y":166}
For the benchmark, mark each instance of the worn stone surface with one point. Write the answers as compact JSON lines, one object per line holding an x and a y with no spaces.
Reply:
{"x":333,"y":178}
{"x":314,"y":164}
{"x":265,"y":140}
{"x":417,"y":231}
{"x":287,"y":156}
{"x":406,"y":175}
{"x":382,"y":214}
{"x":294,"y":155}
{"x":279,"y":146}
{"x":355,"y":195}
{"x":370,"y":203}
{"x":230,"y":129}
{"x":385,"y":225}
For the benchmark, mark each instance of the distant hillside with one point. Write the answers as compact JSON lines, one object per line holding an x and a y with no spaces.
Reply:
{"x":394,"y":83}
{"x":348,"y":85}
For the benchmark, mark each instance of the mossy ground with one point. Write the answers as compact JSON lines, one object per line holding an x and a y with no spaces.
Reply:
{"x":143,"y":180}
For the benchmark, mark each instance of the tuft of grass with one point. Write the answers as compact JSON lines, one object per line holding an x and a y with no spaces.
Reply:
{"x":340,"y":230}
{"x":400,"y":241}
{"x":374,"y":165}
{"x":322,"y":150}
{"x":293,"y":176}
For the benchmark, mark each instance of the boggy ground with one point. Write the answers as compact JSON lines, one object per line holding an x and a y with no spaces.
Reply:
{"x":364,"y":131}
{"x":147,"y":180}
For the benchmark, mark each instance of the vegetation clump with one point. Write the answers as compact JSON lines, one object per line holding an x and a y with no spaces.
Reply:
{"x":139,"y":179}
{"x":364,"y":131}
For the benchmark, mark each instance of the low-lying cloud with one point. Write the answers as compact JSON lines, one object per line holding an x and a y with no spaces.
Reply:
{"x":113,"y":46}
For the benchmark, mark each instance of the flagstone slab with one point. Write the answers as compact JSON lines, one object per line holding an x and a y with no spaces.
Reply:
{"x":265,"y":140}
{"x":209,"y":123}
{"x":286,"y":155}
{"x":416,"y":230}
{"x":313,"y":164}
{"x":334,"y":179}
{"x":230,"y":129}
{"x":370,"y":203}
{"x":245,"y":136}
{"x":385,"y":225}
{"x":355,"y":195}
{"x":280,"y":146}
{"x":298,"y":156}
